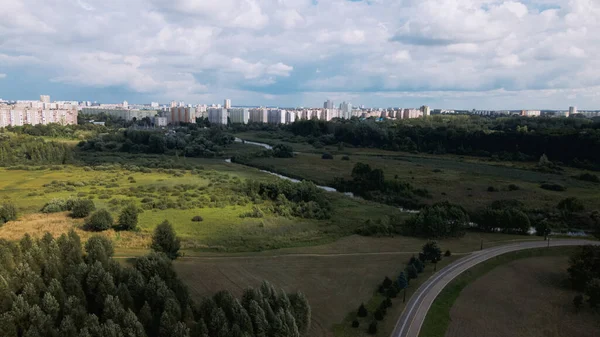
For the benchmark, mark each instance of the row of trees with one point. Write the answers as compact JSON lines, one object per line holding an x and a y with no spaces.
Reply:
{"x":59,"y":287}
{"x":568,"y":141}
{"x":390,"y":288}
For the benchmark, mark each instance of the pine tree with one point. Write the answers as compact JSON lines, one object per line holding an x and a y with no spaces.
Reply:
{"x":362,"y":311}
{"x":411,"y":272}
{"x":401,"y":282}
{"x":301,"y":311}
{"x":259,"y":320}
{"x":145,"y":317}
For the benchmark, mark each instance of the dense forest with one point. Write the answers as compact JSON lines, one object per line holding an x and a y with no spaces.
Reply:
{"x":59,"y":287}
{"x":572,"y":141}
{"x":24,"y":149}
{"x":190,"y":141}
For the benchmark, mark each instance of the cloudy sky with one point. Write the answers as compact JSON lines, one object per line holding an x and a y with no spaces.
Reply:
{"x":484,"y":54}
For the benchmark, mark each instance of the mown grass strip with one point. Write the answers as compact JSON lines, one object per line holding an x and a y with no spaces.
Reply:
{"x":438,"y":318}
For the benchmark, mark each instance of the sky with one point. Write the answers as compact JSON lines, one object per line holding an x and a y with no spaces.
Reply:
{"x":460,"y":54}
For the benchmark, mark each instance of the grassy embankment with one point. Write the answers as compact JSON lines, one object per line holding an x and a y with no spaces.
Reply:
{"x":438,"y":318}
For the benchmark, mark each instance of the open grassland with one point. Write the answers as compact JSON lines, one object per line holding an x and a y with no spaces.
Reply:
{"x":447,"y":178}
{"x":208,"y":189}
{"x":337,"y":277}
{"x":332,"y":284}
{"x":524,"y":298}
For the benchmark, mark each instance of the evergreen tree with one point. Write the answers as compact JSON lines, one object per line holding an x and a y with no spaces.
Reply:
{"x":164,"y":240}
{"x":259,"y":320}
{"x":99,"y":248}
{"x":411,"y":272}
{"x":301,"y":311}
{"x":402,"y":282}
{"x":373,"y":328}
{"x":419,"y":266}
{"x":362,"y":311}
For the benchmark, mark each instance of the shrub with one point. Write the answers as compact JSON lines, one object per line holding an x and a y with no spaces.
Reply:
{"x":513,"y":187}
{"x":362,"y":311}
{"x":165,"y":240}
{"x":492,"y":189}
{"x":55,"y":206}
{"x":128,"y":219}
{"x":355,"y":323}
{"x":578,"y":302}
{"x":373,"y":328}
{"x":82,"y":208}
{"x":197,"y":218}
{"x":588,"y":177}
{"x":100,"y":220}
{"x":571,"y":205}
{"x":378,"y":314}
{"x":448,"y":253}
{"x":8,"y":212}
{"x":326,"y":156}
{"x":283,"y":151}
{"x":345,"y":158}
{"x":553,"y":187}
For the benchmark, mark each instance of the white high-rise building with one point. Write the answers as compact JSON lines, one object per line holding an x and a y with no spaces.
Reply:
{"x":425,"y":110}
{"x":227,"y":104}
{"x":346,"y":110}
{"x":217,"y":116}
{"x":239,"y":115}
{"x":572,"y":110}
{"x":276,"y":116}
{"x":328,"y":104}
{"x":259,"y":115}
{"x":290,"y":117}
{"x":45,"y":98}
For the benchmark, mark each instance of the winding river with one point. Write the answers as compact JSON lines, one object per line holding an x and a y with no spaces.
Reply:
{"x":326,"y":188}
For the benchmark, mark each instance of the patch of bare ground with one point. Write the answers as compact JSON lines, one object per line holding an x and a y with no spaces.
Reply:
{"x":524,"y":298}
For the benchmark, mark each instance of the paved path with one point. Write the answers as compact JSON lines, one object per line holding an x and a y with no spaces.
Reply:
{"x":409,"y":324}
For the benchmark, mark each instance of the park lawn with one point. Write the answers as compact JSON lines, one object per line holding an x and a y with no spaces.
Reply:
{"x":446,"y":178}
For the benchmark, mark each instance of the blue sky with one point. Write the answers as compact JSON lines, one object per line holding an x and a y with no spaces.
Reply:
{"x":464,"y":54}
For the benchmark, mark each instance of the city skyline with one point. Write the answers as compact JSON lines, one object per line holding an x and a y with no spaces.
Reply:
{"x":471,"y":54}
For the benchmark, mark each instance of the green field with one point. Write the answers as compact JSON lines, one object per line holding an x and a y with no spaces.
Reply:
{"x":460,"y":180}
{"x":207,"y":190}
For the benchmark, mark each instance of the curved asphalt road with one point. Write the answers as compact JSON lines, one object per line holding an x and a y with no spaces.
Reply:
{"x":414,"y":314}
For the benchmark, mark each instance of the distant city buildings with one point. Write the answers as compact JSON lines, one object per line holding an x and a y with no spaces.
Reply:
{"x":38,"y":112}
{"x":346,"y":110}
{"x":181,"y":115}
{"x":258,"y":115}
{"x":531,"y":113}
{"x":239,"y":115}
{"x":328,"y":105}
{"x":217,"y":116}
{"x":425,"y":110}
{"x":227,"y":104}
{"x":572,"y":111}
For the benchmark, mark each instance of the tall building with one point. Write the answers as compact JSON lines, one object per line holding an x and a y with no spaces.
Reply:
{"x":154,"y":104}
{"x":411,"y":113}
{"x":45,"y":98}
{"x":227,"y":104}
{"x":259,"y":115}
{"x":346,"y":110}
{"x":425,"y":110}
{"x":217,"y":116}
{"x":572,"y":110}
{"x":239,"y":115}
{"x":276,"y":116}
{"x":328,"y":104}
{"x":181,"y":115}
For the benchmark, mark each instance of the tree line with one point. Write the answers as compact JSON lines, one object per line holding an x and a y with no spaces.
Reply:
{"x":23,"y":149}
{"x":570,"y":141}
{"x":61,"y":287}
